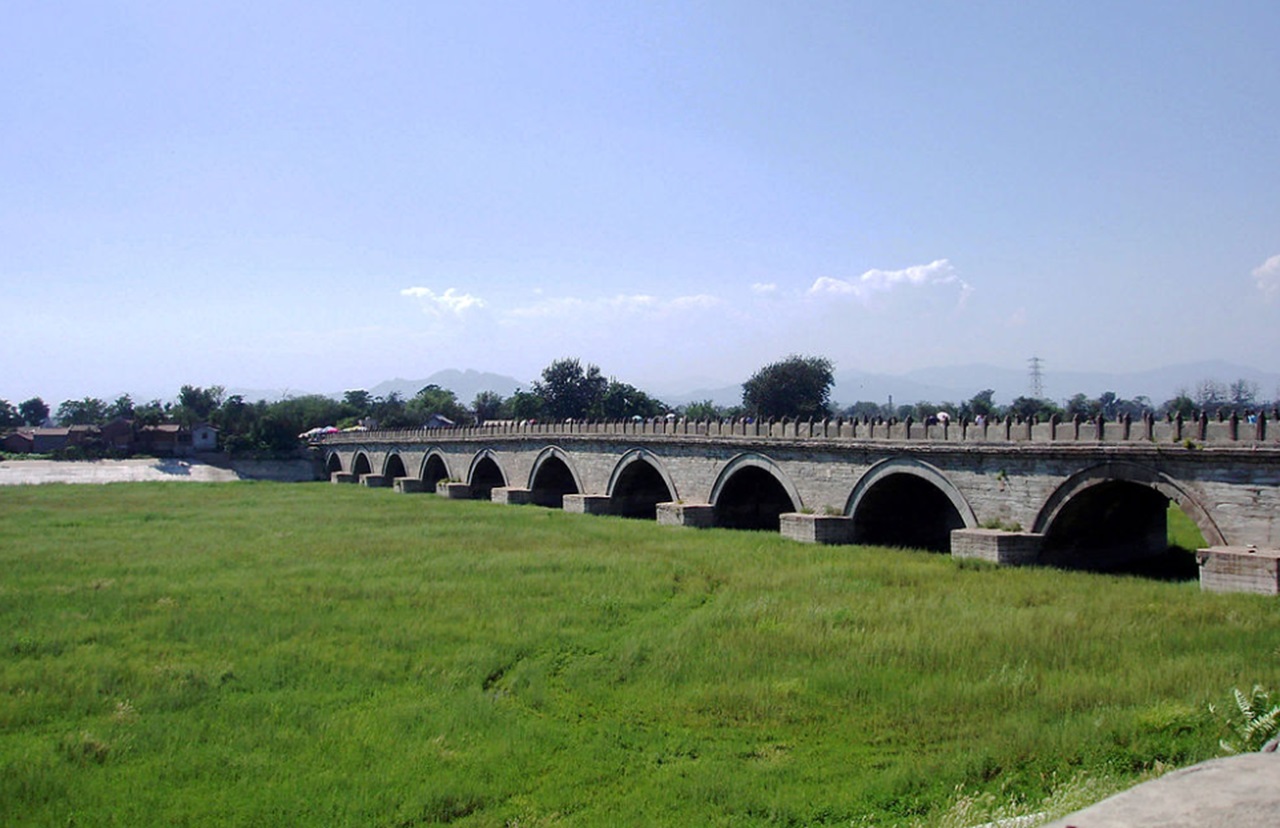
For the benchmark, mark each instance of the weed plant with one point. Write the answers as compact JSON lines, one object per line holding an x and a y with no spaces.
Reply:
{"x":254,"y":654}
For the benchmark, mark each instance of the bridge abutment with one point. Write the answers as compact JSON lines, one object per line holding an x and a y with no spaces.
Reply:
{"x":453,"y":491}
{"x":696,"y":515}
{"x":1239,"y":569}
{"x":588,"y":504}
{"x":823,"y":529}
{"x":511,"y":496}
{"x":997,"y":546}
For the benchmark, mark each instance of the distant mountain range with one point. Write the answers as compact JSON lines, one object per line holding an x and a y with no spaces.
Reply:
{"x":465,"y":385}
{"x":953,"y":384}
{"x":962,"y":382}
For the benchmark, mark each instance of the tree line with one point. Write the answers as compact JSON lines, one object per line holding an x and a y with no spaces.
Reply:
{"x":798,"y":387}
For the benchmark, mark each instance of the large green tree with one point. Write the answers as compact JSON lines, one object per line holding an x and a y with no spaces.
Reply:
{"x":487,"y":406}
{"x":522,"y":405}
{"x":122,"y":408}
{"x":9,"y":416}
{"x":622,"y":400}
{"x":703,"y":410}
{"x":358,"y":402}
{"x":88,"y":411}
{"x":197,"y":404}
{"x":569,"y":390}
{"x":798,"y":386}
{"x":434,"y":400}
{"x":34,"y":411}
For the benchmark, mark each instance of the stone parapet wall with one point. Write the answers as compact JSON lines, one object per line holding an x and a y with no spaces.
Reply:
{"x":1190,"y":433}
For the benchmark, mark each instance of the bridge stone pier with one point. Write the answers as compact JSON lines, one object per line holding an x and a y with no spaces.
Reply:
{"x":1089,"y":495}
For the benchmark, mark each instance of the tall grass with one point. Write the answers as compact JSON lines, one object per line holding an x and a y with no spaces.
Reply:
{"x":249,"y":654}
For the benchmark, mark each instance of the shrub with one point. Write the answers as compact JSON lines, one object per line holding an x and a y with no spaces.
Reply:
{"x":1253,"y":722}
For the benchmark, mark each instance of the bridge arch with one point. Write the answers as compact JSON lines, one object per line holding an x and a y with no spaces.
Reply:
{"x":1113,"y":513}
{"x":906,"y":502}
{"x":640,"y":482}
{"x":434,"y":468}
{"x":360,"y":464}
{"x":552,"y":477}
{"x":393,"y":467}
{"x":333,"y":463}
{"x":485,"y":474}
{"x":751,"y":492}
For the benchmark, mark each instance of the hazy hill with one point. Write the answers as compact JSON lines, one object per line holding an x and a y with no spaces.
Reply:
{"x":465,"y":384}
{"x":940,"y":384}
{"x":961,"y":382}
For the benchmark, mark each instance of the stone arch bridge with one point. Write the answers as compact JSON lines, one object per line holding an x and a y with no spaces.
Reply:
{"x":1089,"y":495}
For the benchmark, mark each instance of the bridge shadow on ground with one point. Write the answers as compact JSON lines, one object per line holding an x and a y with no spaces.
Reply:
{"x":1175,"y":565}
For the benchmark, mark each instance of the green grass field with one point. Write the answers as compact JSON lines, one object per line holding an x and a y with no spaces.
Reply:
{"x":295,"y":654}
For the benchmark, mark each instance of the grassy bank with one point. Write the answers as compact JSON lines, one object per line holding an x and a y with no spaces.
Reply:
{"x":249,"y":654}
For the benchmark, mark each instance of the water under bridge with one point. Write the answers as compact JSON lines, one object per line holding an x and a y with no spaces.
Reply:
{"x":1087,"y":494}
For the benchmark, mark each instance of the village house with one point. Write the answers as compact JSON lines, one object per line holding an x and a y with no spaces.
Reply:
{"x":204,"y":437}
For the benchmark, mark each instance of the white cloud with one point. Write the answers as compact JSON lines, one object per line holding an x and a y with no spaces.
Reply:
{"x":697,"y":302}
{"x":761,"y":287}
{"x":449,"y":302}
{"x":876,"y":282}
{"x":1268,"y":276}
{"x":611,"y":306}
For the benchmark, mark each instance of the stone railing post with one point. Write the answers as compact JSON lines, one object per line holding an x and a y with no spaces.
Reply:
{"x":1260,"y":427}
{"x":1235,"y":426}
{"x":1203,"y":431}
{"x":1127,"y":427}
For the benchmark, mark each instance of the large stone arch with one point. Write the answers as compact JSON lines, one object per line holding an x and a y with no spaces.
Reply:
{"x":899,"y":483}
{"x":553,"y":476}
{"x":360,"y":464}
{"x":333,"y":463}
{"x":485,"y":474}
{"x":393,"y":466}
{"x":434,"y":468}
{"x":1128,"y":472}
{"x":744,"y":497}
{"x":636,"y":484}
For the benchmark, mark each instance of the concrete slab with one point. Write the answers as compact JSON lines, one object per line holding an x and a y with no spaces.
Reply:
{"x":193,"y":469}
{"x":1233,"y":792}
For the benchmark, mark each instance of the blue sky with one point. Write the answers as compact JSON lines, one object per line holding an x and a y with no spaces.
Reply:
{"x":318,"y":196}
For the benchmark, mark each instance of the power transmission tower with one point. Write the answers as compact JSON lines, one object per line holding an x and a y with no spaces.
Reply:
{"x":1037,"y":378}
